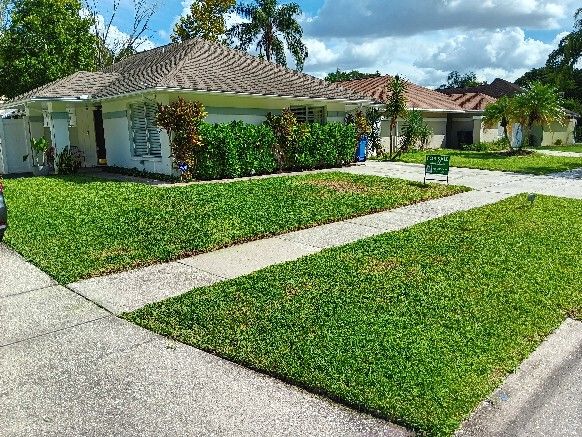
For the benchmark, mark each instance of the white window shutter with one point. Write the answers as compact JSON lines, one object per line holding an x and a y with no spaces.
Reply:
{"x":307,"y":114}
{"x":155,"y":145}
{"x":139,"y":130}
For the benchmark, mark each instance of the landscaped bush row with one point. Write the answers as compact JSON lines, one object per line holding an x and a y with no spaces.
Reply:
{"x":239,"y":149}
{"x":234,"y":150}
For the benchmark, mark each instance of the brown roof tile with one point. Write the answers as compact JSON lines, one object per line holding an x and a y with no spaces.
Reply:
{"x":193,"y":65}
{"x":472,"y":101}
{"x":418,"y":97}
{"x":496,"y":89}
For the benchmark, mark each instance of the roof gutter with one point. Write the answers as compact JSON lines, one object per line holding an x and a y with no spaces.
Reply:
{"x":9,"y":105}
{"x":233,"y":93}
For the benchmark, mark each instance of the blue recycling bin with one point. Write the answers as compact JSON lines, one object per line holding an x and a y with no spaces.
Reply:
{"x":362,"y":147}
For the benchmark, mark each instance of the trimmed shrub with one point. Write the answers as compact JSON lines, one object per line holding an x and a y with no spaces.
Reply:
{"x":238,"y":149}
{"x":323,"y":146}
{"x":234,"y":150}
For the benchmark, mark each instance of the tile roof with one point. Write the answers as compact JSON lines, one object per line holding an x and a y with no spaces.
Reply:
{"x":472,"y":101}
{"x":498,"y":88}
{"x":418,"y":97}
{"x":197,"y":65}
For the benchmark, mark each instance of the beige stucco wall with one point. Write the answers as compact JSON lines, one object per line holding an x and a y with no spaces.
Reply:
{"x":437,"y":122}
{"x":555,"y":132}
{"x":481,"y":134}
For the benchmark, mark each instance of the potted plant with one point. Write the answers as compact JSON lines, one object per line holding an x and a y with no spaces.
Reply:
{"x":42,"y":157}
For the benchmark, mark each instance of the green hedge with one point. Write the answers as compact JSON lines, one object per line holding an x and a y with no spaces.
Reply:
{"x":234,"y":150}
{"x":324,"y":146}
{"x":238,"y":149}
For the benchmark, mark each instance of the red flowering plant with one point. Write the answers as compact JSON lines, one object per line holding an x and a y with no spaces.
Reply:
{"x":182,"y":119}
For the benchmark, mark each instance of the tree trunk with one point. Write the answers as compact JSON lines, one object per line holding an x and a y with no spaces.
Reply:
{"x":393,"y":135}
{"x":268,"y":42}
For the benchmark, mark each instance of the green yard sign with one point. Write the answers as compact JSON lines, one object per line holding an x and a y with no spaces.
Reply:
{"x":437,"y":165}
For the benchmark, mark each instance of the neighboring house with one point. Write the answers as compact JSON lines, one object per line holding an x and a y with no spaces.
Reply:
{"x":454,"y":121}
{"x":496,"y":89}
{"x":544,"y":136}
{"x":468,"y":128}
{"x":111,"y":115}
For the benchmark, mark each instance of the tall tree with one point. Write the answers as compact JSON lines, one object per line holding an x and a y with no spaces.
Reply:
{"x":205,"y":20}
{"x":273,"y":27}
{"x":343,"y":76}
{"x":569,"y":49}
{"x":458,"y":80}
{"x":538,"y":104}
{"x":44,"y":41}
{"x":395,"y":106}
{"x":499,"y":113}
{"x":111,"y":46}
{"x":561,"y":69}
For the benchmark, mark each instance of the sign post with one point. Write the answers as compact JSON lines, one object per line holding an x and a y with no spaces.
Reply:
{"x":437,"y":165}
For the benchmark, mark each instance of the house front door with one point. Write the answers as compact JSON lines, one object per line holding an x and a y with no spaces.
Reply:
{"x":100,"y":137}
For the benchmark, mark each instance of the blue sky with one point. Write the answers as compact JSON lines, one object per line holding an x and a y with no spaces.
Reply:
{"x":422,"y":40}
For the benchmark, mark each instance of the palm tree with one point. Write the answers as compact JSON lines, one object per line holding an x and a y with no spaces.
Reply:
{"x":396,"y":105}
{"x":274,"y":26}
{"x":499,"y":113}
{"x":538,"y":104}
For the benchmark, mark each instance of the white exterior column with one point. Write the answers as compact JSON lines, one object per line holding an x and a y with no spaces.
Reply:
{"x":477,"y":124}
{"x":59,"y":126}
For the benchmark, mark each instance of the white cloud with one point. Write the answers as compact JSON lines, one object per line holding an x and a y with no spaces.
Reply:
{"x":428,"y":58}
{"x":506,"y":49}
{"x":116,"y":37}
{"x":424,"y":40}
{"x":378,"y":18}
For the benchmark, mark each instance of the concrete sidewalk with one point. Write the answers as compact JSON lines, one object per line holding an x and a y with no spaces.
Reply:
{"x":559,"y":153}
{"x":69,"y":368}
{"x":131,"y":290}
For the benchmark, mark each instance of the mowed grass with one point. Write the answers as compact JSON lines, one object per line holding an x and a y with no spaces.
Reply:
{"x":416,"y":326}
{"x":79,"y":227}
{"x":576,"y":148}
{"x":535,"y":163}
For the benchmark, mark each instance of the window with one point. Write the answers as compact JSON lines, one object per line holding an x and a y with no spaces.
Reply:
{"x":309,"y":114}
{"x":145,"y":135}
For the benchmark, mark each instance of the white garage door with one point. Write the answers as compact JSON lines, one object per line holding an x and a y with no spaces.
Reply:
{"x":15,"y":146}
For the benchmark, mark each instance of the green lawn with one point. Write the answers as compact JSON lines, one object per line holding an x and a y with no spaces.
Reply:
{"x":78,"y":227}
{"x":417,"y":326}
{"x":535,"y":163}
{"x":574,"y":148}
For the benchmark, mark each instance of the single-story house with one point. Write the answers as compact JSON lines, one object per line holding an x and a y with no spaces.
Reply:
{"x":454,"y":121}
{"x":110,"y":115}
{"x":496,"y":89}
{"x":544,"y":136}
{"x":469,"y":128}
